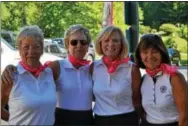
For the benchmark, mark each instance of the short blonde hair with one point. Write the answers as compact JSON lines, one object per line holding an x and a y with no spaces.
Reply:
{"x":104,"y":34}
{"x":73,"y":29}
{"x":31,"y":31}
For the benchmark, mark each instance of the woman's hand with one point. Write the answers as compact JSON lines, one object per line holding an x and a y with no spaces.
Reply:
{"x":55,"y":66}
{"x":7,"y":75}
{"x":5,"y":92}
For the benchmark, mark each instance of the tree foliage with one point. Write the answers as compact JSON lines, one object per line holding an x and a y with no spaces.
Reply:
{"x":55,"y":17}
{"x":52,"y":17}
{"x":118,"y":15}
{"x":157,"y":13}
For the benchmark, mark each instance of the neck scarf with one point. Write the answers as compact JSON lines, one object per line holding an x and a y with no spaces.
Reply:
{"x":112,"y":65}
{"x":165,"y":68}
{"x":77,"y":62}
{"x":35,"y":71}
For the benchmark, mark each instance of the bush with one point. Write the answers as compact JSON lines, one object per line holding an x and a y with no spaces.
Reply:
{"x":177,"y":42}
{"x":170,"y":42}
{"x":144,"y":29}
{"x":168,"y":28}
{"x":183,"y":32}
{"x":154,"y":31}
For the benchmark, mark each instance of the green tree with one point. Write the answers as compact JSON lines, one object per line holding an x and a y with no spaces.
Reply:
{"x":118,"y":15}
{"x":59,"y":16}
{"x":14,"y":14}
{"x":157,"y":13}
{"x":52,"y":17}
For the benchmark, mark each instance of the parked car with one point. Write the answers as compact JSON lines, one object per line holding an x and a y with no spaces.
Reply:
{"x":47,"y":41}
{"x":10,"y":55}
{"x":54,"y":49}
{"x":58,"y":44}
{"x":9,"y":36}
{"x":132,"y":57}
{"x":90,"y":55}
{"x":176,"y":57}
{"x":59,"y":41}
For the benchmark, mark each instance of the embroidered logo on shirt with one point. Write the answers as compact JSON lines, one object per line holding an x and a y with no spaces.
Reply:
{"x":163,"y":89}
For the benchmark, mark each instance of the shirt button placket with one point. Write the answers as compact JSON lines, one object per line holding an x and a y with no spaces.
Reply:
{"x":109,"y":79}
{"x":37,"y":84}
{"x":79,"y":79}
{"x":154,"y":97}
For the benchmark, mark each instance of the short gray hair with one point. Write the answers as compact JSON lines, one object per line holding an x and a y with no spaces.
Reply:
{"x":75,"y":28}
{"x":31,"y":31}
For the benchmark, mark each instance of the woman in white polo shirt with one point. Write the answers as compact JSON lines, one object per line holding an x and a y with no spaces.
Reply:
{"x":115,"y":80}
{"x":32,"y":95}
{"x":74,"y":85}
{"x":164,"y":89}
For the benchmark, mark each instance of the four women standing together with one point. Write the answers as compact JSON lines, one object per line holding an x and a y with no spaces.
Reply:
{"x":114,"y":81}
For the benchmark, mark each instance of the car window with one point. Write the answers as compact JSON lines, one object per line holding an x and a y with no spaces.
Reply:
{"x":58,"y":41}
{"x":7,"y":44}
{"x":90,"y":45}
{"x":9,"y":37}
{"x":46,"y":49}
{"x":1,"y":50}
{"x":6,"y":37}
{"x":54,"y":49}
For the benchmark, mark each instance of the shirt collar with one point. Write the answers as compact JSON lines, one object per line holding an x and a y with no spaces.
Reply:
{"x":69,"y":65}
{"x":21,"y":70}
{"x":100,"y":62}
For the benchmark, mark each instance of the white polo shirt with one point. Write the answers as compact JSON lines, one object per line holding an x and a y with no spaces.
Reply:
{"x":158,"y":100}
{"x":32,"y":100}
{"x":113,"y":92}
{"x":74,"y":87}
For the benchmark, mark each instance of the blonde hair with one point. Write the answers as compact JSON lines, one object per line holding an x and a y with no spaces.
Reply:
{"x":73,"y":29}
{"x":31,"y":31}
{"x":106,"y":33}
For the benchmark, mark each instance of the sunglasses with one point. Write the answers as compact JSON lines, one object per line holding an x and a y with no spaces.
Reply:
{"x":75,"y":42}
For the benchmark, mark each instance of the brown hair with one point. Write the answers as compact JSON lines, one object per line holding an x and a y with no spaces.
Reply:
{"x":151,"y":41}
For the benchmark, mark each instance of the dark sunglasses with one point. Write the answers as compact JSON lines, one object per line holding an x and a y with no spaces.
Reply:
{"x":75,"y":42}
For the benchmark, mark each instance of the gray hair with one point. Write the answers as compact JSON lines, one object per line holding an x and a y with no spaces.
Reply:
{"x":33,"y":32}
{"x":75,"y":28}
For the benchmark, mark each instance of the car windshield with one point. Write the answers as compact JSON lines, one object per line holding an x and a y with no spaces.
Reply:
{"x":58,"y":41}
{"x":9,"y":45}
{"x":54,"y":49}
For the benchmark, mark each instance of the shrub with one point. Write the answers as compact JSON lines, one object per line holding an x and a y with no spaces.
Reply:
{"x":168,"y":28}
{"x":170,"y":42}
{"x":183,"y":32}
{"x":176,"y":42}
{"x":144,"y":29}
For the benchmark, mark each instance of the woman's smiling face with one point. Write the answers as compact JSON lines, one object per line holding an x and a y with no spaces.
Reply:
{"x":111,"y":46}
{"x":30,"y":51}
{"x":151,"y":58}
